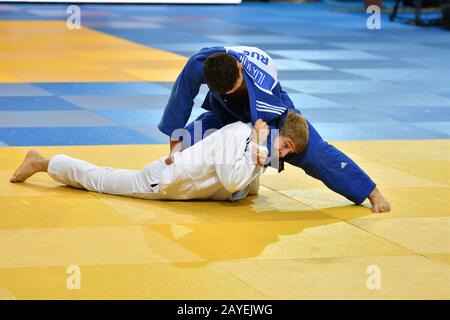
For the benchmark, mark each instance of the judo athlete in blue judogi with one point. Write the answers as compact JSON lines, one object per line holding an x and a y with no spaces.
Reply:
{"x":244,"y":87}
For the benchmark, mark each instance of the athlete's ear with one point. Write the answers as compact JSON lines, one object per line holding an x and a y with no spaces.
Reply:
{"x":240,"y":66}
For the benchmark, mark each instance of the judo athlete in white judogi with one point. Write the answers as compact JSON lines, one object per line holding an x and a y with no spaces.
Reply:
{"x":220,"y":167}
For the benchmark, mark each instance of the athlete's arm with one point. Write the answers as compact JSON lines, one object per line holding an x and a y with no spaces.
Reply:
{"x":236,"y":163}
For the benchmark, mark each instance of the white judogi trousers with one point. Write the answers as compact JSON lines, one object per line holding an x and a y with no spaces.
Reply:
{"x":125,"y":182}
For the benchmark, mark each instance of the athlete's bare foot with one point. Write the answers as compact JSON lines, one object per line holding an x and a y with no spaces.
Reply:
{"x":32,"y":164}
{"x":379,"y":203}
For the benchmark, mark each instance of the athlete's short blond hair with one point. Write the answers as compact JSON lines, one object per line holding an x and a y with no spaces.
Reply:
{"x":295,"y":128}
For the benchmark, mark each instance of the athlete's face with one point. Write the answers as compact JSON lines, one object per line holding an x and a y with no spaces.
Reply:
{"x":240,"y":81}
{"x":285,"y":146}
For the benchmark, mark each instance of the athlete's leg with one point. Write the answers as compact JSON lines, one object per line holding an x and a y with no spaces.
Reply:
{"x":82,"y":174}
{"x":337,"y":171}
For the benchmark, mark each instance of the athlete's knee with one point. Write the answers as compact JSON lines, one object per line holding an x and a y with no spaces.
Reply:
{"x":254,"y":187}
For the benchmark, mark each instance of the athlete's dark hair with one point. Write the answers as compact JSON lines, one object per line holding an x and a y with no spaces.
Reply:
{"x":221,"y":72}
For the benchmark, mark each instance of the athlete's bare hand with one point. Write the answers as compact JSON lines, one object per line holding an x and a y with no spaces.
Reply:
{"x":175,"y":146}
{"x":259,"y":155}
{"x":260,"y":132}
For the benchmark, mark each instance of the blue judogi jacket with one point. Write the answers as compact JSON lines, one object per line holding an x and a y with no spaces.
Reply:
{"x":267,"y":100}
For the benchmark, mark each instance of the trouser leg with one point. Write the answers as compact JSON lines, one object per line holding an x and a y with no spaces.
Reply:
{"x":82,"y":174}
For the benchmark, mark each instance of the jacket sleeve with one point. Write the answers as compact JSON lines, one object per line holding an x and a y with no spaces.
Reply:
{"x":181,"y":101}
{"x":233,"y":161}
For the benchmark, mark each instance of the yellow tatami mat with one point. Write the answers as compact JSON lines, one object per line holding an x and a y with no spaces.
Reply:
{"x":47,"y":51}
{"x":295,"y":240}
